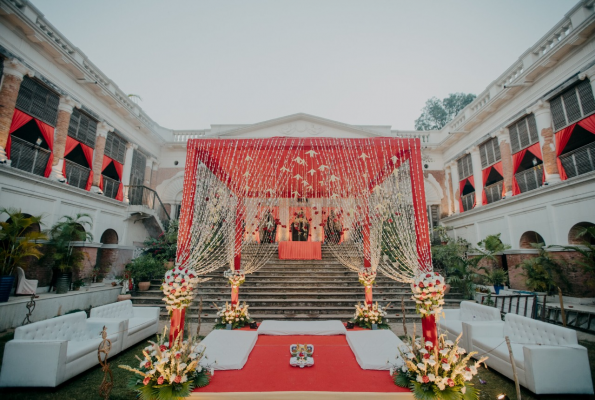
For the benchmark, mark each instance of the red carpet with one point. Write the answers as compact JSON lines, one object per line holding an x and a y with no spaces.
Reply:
{"x":335,"y":369}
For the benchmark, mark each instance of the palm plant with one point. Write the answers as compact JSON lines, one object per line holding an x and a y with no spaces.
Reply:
{"x":17,"y":240}
{"x":587,"y":251}
{"x":543,"y":272}
{"x":463,"y":275}
{"x":62,"y":235}
{"x":489,"y":248}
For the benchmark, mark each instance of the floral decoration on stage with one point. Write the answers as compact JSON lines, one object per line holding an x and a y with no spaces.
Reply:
{"x":235,"y":314}
{"x":428,"y":293}
{"x":165,"y":373}
{"x":178,"y":287}
{"x":236,"y":277}
{"x":366,"y":315}
{"x":442,"y":372}
{"x":367,"y":277}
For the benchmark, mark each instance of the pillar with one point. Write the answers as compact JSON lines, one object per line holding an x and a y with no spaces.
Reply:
{"x":449,"y":189}
{"x":506,"y":158}
{"x":454,"y":172}
{"x":543,"y":121}
{"x":65,"y":108}
{"x":102,"y":130}
{"x":477,"y":177}
{"x":130,"y":147}
{"x":14,"y":72}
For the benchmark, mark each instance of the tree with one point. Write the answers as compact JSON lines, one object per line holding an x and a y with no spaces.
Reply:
{"x":438,"y":113}
{"x":62,"y":235}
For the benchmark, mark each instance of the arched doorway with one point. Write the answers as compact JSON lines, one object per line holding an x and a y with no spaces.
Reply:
{"x":107,"y":254}
{"x":576,"y":236}
{"x":529,"y":238}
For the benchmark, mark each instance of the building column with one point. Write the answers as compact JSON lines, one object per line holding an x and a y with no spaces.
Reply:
{"x":454,"y":173}
{"x":477,"y":178}
{"x":130,"y":147}
{"x":65,"y":108}
{"x":543,"y":121}
{"x":102,"y":130}
{"x":449,"y":191}
{"x":506,"y":159}
{"x":589,"y":74}
{"x":14,"y":72}
{"x":148,"y":172}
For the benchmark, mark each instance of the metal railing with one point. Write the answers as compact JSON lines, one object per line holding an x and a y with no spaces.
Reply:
{"x":530,"y":179}
{"x":76,"y":174}
{"x":579,"y":161}
{"x":494,"y":192}
{"x":28,"y":156}
{"x":110,"y":187}
{"x":147,"y":197}
{"x":468,"y":201}
{"x":520,"y":304}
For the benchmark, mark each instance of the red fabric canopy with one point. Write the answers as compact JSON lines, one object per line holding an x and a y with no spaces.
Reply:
{"x":517,"y":158}
{"x":485,"y":173}
{"x":119,"y":169}
{"x":87,"y":151}
{"x":19,"y":119}
{"x":563,"y":136}
{"x":461,"y":187}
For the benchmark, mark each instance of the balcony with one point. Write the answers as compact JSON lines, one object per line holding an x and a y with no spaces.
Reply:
{"x":468,"y":201}
{"x":494,"y":192}
{"x":110,"y":187}
{"x":28,"y":157}
{"x":77,"y":175}
{"x":579,"y":161}
{"x":530,"y":179}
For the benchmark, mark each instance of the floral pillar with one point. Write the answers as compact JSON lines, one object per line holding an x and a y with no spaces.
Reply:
{"x":428,"y":293}
{"x":367,"y":256}
{"x":237,"y":261}
{"x":236,"y":278}
{"x":178,"y":287}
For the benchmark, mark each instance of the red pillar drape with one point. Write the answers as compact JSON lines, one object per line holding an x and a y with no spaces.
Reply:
{"x":422,"y":229}
{"x":19,"y":119}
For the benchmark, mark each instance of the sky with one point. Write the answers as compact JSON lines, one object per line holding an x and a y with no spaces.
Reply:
{"x":370,"y":62}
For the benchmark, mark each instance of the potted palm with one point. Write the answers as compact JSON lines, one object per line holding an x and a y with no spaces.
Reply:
{"x":18,"y":242}
{"x":496,"y":277}
{"x":66,"y":257}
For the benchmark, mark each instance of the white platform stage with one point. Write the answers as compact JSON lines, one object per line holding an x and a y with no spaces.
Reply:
{"x":318,"y":328}
{"x":229,"y":348}
{"x":373,"y":348}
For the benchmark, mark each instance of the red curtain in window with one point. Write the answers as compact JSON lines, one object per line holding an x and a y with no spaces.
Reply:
{"x":517,"y":158}
{"x":461,"y":187}
{"x":119,"y":170}
{"x":563,"y":136}
{"x":588,"y":123}
{"x":87,"y":151}
{"x":19,"y":119}
{"x":47,"y":132}
{"x":484,"y":177}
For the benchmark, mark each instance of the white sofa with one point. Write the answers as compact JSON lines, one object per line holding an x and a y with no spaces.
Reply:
{"x":548,"y":357}
{"x":140,"y":322}
{"x":468,"y":312}
{"x":49,"y":352}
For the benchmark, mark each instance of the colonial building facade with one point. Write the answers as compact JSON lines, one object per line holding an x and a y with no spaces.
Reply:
{"x":518,"y":160}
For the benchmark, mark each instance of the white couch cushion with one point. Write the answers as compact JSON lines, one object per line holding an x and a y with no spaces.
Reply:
{"x":64,"y":327}
{"x":120,"y":309}
{"x":530,"y":331}
{"x":453,"y":326}
{"x":471,"y":311}
{"x":496,"y":346}
{"x":137,"y":323}
{"x":76,"y":350}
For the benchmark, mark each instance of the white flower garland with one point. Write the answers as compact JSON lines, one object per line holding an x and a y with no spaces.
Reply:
{"x":178,"y":287}
{"x":428,"y":293}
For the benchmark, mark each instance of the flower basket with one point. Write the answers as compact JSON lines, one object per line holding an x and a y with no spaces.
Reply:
{"x":235,"y":314}
{"x":368,"y":314}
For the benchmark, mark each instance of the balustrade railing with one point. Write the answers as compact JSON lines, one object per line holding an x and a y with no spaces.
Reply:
{"x":579,"y":161}
{"x":147,"y":197}
{"x":468,"y":201}
{"x":110,"y":187}
{"x":28,"y":156}
{"x":494,"y":192}
{"x":530,"y":179}
{"x":520,"y":304}
{"x":76,"y":174}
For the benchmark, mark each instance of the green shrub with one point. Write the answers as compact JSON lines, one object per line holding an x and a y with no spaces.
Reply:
{"x":145,"y":268}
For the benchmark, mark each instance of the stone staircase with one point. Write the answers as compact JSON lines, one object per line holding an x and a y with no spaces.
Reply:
{"x":295,"y":290}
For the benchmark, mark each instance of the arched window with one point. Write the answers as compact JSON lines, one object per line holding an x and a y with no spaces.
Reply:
{"x":575,"y":237}
{"x":530,"y":237}
{"x":110,"y":236}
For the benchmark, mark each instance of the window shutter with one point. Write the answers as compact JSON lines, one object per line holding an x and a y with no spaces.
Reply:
{"x":533,"y":134}
{"x":38,"y":101}
{"x":586,"y":95}
{"x":572,"y":105}
{"x":573,"y":112}
{"x":514,"y":139}
{"x":558,"y":113}
{"x":523,"y":133}
{"x":82,"y":128}
{"x":115,"y":147}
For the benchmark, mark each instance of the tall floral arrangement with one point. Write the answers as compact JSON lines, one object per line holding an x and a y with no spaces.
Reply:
{"x":437,"y":372}
{"x":166,"y":373}
{"x":428,"y":293}
{"x":178,"y":287}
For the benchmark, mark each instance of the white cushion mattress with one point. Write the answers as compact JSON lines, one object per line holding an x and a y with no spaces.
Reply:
{"x":229,"y":348}
{"x":269,"y":327}
{"x":372,"y":349}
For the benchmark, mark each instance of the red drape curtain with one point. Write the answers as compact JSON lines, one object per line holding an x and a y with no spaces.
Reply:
{"x":484,"y":177}
{"x":461,"y":187}
{"x":517,"y":158}
{"x":19,"y":119}
{"x":588,"y":123}
{"x":563,"y":136}
{"x":119,"y":170}
{"x":87,"y":151}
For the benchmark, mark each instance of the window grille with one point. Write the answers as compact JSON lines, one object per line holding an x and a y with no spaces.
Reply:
{"x":110,"y":187}
{"x":572,"y":105}
{"x":82,"y":128}
{"x":76,"y":175}
{"x":530,"y":179}
{"x":494,"y":192}
{"x":137,"y":177}
{"x":579,"y":161}
{"x":467,"y":201}
{"x":115,"y":147}
{"x":38,"y":101}
{"x":28,"y":157}
{"x":465,"y":167}
{"x":523,"y":133}
{"x":489,"y":152}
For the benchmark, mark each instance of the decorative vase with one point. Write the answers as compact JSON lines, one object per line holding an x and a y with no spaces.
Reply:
{"x":143,"y":286}
{"x":497,"y":288}
{"x":63,"y":282}
{"x":429,"y":330}
{"x":6,"y":282}
{"x":176,"y":327}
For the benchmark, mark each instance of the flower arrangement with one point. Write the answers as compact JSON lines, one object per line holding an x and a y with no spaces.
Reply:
{"x":436,"y":372}
{"x":178,"y":287}
{"x":235,"y":314}
{"x":367,"y":277}
{"x":236,"y":277}
{"x":165,"y":373}
{"x":428,"y":293}
{"x":366,"y":315}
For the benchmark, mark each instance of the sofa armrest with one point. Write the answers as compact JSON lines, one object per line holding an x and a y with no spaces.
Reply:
{"x":146,"y":312}
{"x":33,"y":363}
{"x":453,"y":314}
{"x":558,"y":369}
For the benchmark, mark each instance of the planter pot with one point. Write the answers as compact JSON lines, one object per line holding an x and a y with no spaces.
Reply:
{"x":6,"y":282}
{"x":497,"y":288}
{"x":63,"y":282}
{"x":76,"y":288}
{"x":446,"y":289}
{"x":142,"y":286}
